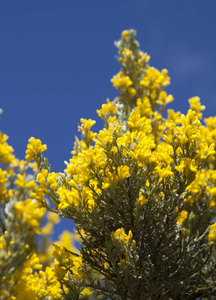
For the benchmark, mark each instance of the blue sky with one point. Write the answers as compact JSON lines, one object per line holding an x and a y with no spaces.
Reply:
{"x":57,"y":59}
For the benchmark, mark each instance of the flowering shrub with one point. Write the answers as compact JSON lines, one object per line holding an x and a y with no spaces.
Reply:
{"x":141,"y":192}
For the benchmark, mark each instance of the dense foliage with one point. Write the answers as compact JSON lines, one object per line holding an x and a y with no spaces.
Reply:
{"x":141,"y":191}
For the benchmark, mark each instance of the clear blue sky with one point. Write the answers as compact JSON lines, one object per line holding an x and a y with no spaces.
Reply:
{"x":57,"y":58}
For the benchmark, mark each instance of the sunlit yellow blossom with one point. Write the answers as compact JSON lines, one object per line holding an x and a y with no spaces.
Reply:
{"x":141,"y":199}
{"x":182,"y":217}
{"x":120,"y":234}
{"x":50,"y":286}
{"x":187,"y":164}
{"x":34,"y":148}
{"x":67,"y":197}
{"x":212,"y":234}
{"x":112,"y":178}
{"x":144,"y":106}
{"x":65,"y":258}
{"x":41,"y":178}
{"x":164,"y":98}
{"x":106,"y":265}
{"x":196,"y":106}
{"x":6,"y":151}
{"x":155,"y":80}
{"x":86,"y":124}
{"x":33,"y":263}
{"x":136,"y":122}
{"x":86,"y":292}
{"x":3,"y":181}
{"x":212,"y":204}
{"x":30,"y":213}
{"x":107,"y":109}
{"x":121,"y":80}
{"x":23,"y":183}
{"x":164,"y":172}
{"x":124,"y":33}
{"x":213,"y":191}
{"x":132,"y":91}
{"x":3,"y":176}
{"x":123,"y":172}
{"x":174,"y":116}
{"x":67,"y":239}
{"x":2,"y":243}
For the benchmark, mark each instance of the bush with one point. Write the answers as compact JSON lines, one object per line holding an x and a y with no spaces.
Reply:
{"x":141,"y":193}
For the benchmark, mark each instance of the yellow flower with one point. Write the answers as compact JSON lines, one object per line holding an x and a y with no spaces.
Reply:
{"x":29,"y":212}
{"x":50,"y":286}
{"x":132,"y":91}
{"x":164,"y":172}
{"x":33,"y":262}
{"x":141,"y":199}
{"x":113,"y":178}
{"x":106,"y":265}
{"x":107,"y":109}
{"x":212,"y":204}
{"x":34,"y":148}
{"x":86,"y":124}
{"x":213,"y":191}
{"x":2,"y":243}
{"x":136,"y":122}
{"x":51,"y":181}
{"x":3,"y":176}
{"x":187,"y":164}
{"x":196,"y":106}
{"x":123,"y":172}
{"x":67,"y":197}
{"x":155,"y":79}
{"x":124,"y":34}
{"x":3,"y":181}
{"x":144,"y":106}
{"x":6,"y":151}
{"x":121,"y":235}
{"x":22,"y":183}
{"x":120,"y":80}
{"x":212,"y":234}
{"x":182,"y":217}
{"x":164,"y":99}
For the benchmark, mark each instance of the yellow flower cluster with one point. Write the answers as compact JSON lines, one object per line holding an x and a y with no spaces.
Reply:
{"x":182,"y":217}
{"x":183,"y":150}
{"x":121,"y":81}
{"x":196,"y":106}
{"x":35,"y":148}
{"x":107,"y":109}
{"x":68,"y":261}
{"x":121,"y":235}
{"x":187,"y":140}
{"x":113,"y":178}
{"x":29,"y":212}
{"x":6,"y":151}
{"x":212,"y":234}
{"x":3,"y":181}
{"x":141,"y":200}
{"x":33,"y":285}
{"x":154,"y":81}
{"x":127,"y":245}
{"x":22,"y":215}
{"x":65,"y":261}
